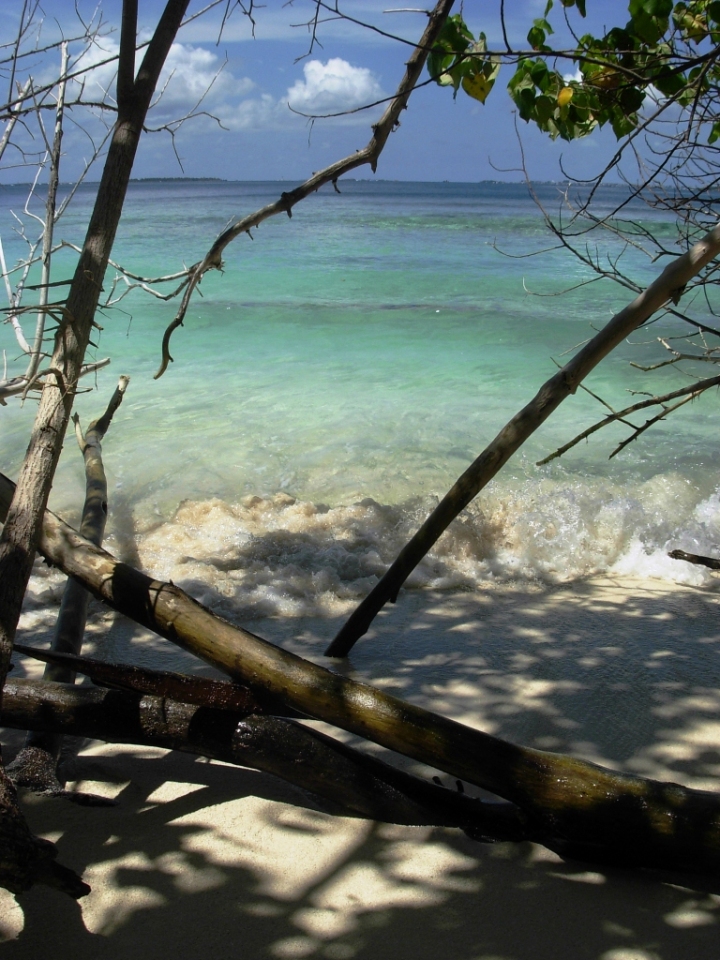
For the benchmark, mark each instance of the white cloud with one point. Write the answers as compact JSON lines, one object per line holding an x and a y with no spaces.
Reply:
{"x":333,"y":86}
{"x":191,"y":74}
{"x":327,"y":88}
{"x":98,"y":77}
{"x":259,"y":113}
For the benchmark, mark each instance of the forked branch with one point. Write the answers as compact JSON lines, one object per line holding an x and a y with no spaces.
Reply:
{"x":331,"y":174}
{"x":690,"y":392}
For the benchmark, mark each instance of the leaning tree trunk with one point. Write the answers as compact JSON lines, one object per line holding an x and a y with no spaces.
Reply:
{"x":514,"y":434}
{"x":576,"y":808}
{"x":20,"y":535}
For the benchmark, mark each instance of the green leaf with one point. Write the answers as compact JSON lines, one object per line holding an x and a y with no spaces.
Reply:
{"x":668,"y":83}
{"x":544,"y":108}
{"x":539,"y":72}
{"x":631,"y":99}
{"x":451,"y":44}
{"x":623,"y":125}
{"x":536,"y":38}
{"x":649,"y":18}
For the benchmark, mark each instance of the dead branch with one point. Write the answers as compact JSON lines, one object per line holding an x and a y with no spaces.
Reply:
{"x":9,"y":388}
{"x":695,"y":558}
{"x":572,"y":806}
{"x":695,"y":390}
{"x":36,"y":764}
{"x":219,"y":694}
{"x":638,"y":431}
{"x":368,"y":155}
{"x":50,"y":217}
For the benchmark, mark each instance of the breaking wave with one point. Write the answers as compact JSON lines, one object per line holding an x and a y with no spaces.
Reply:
{"x":279,"y":556}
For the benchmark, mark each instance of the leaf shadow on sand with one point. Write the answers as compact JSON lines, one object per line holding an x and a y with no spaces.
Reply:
{"x":206,"y":860}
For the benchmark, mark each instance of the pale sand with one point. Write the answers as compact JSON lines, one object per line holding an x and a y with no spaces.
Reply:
{"x":204,"y":860}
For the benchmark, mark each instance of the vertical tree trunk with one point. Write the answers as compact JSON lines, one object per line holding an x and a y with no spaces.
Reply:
{"x":36,"y":764}
{"x":20,"y":535}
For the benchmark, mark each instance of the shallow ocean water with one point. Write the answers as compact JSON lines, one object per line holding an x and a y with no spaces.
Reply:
{"x":343,"y":370}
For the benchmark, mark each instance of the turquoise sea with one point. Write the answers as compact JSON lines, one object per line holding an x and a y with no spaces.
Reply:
{"x":340,"y":373}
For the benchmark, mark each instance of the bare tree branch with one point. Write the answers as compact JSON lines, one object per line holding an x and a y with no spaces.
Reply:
{"x":368,"y":155}
{"x":694,"y":391}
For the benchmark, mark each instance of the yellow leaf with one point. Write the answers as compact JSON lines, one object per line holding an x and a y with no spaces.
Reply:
{"x":477,"y":86}
{"x":565,"y":96}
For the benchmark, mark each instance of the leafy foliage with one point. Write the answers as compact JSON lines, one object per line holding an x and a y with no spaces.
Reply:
{"x":670,"y":50}
{"x":458,"y":59}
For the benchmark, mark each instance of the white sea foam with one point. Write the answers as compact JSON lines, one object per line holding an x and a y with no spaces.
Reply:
{"x":278,"y":556}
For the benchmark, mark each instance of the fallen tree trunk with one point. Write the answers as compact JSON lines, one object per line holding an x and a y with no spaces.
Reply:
{"x":355,"y":782}
{"x":574,"y":807}
{"x":514,"y":434}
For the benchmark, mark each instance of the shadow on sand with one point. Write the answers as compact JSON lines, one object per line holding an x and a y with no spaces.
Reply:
{"x":204,"y":860}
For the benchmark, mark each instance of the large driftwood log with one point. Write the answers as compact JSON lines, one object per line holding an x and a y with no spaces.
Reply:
{"x":514,"y":434}
{"x":353,"y":781}
{"x":574,"y":807}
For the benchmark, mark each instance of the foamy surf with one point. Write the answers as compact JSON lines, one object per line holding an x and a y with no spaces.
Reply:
{"x":284,"y":557}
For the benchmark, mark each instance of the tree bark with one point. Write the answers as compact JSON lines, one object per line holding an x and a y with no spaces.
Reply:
{"x":574,"y":807}
{"x":36,"y":764}
{"x":355,"y":782}
{"x":18,"y":542}
{"x":565,"y":382}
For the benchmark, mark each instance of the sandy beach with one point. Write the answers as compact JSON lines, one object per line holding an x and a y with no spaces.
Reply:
{"x":203,"y":859}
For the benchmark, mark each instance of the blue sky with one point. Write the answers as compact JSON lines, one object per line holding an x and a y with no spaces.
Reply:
{"x":439,"y":139}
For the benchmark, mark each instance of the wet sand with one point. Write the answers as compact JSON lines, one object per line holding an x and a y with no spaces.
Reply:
{"x":203,"y":860}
